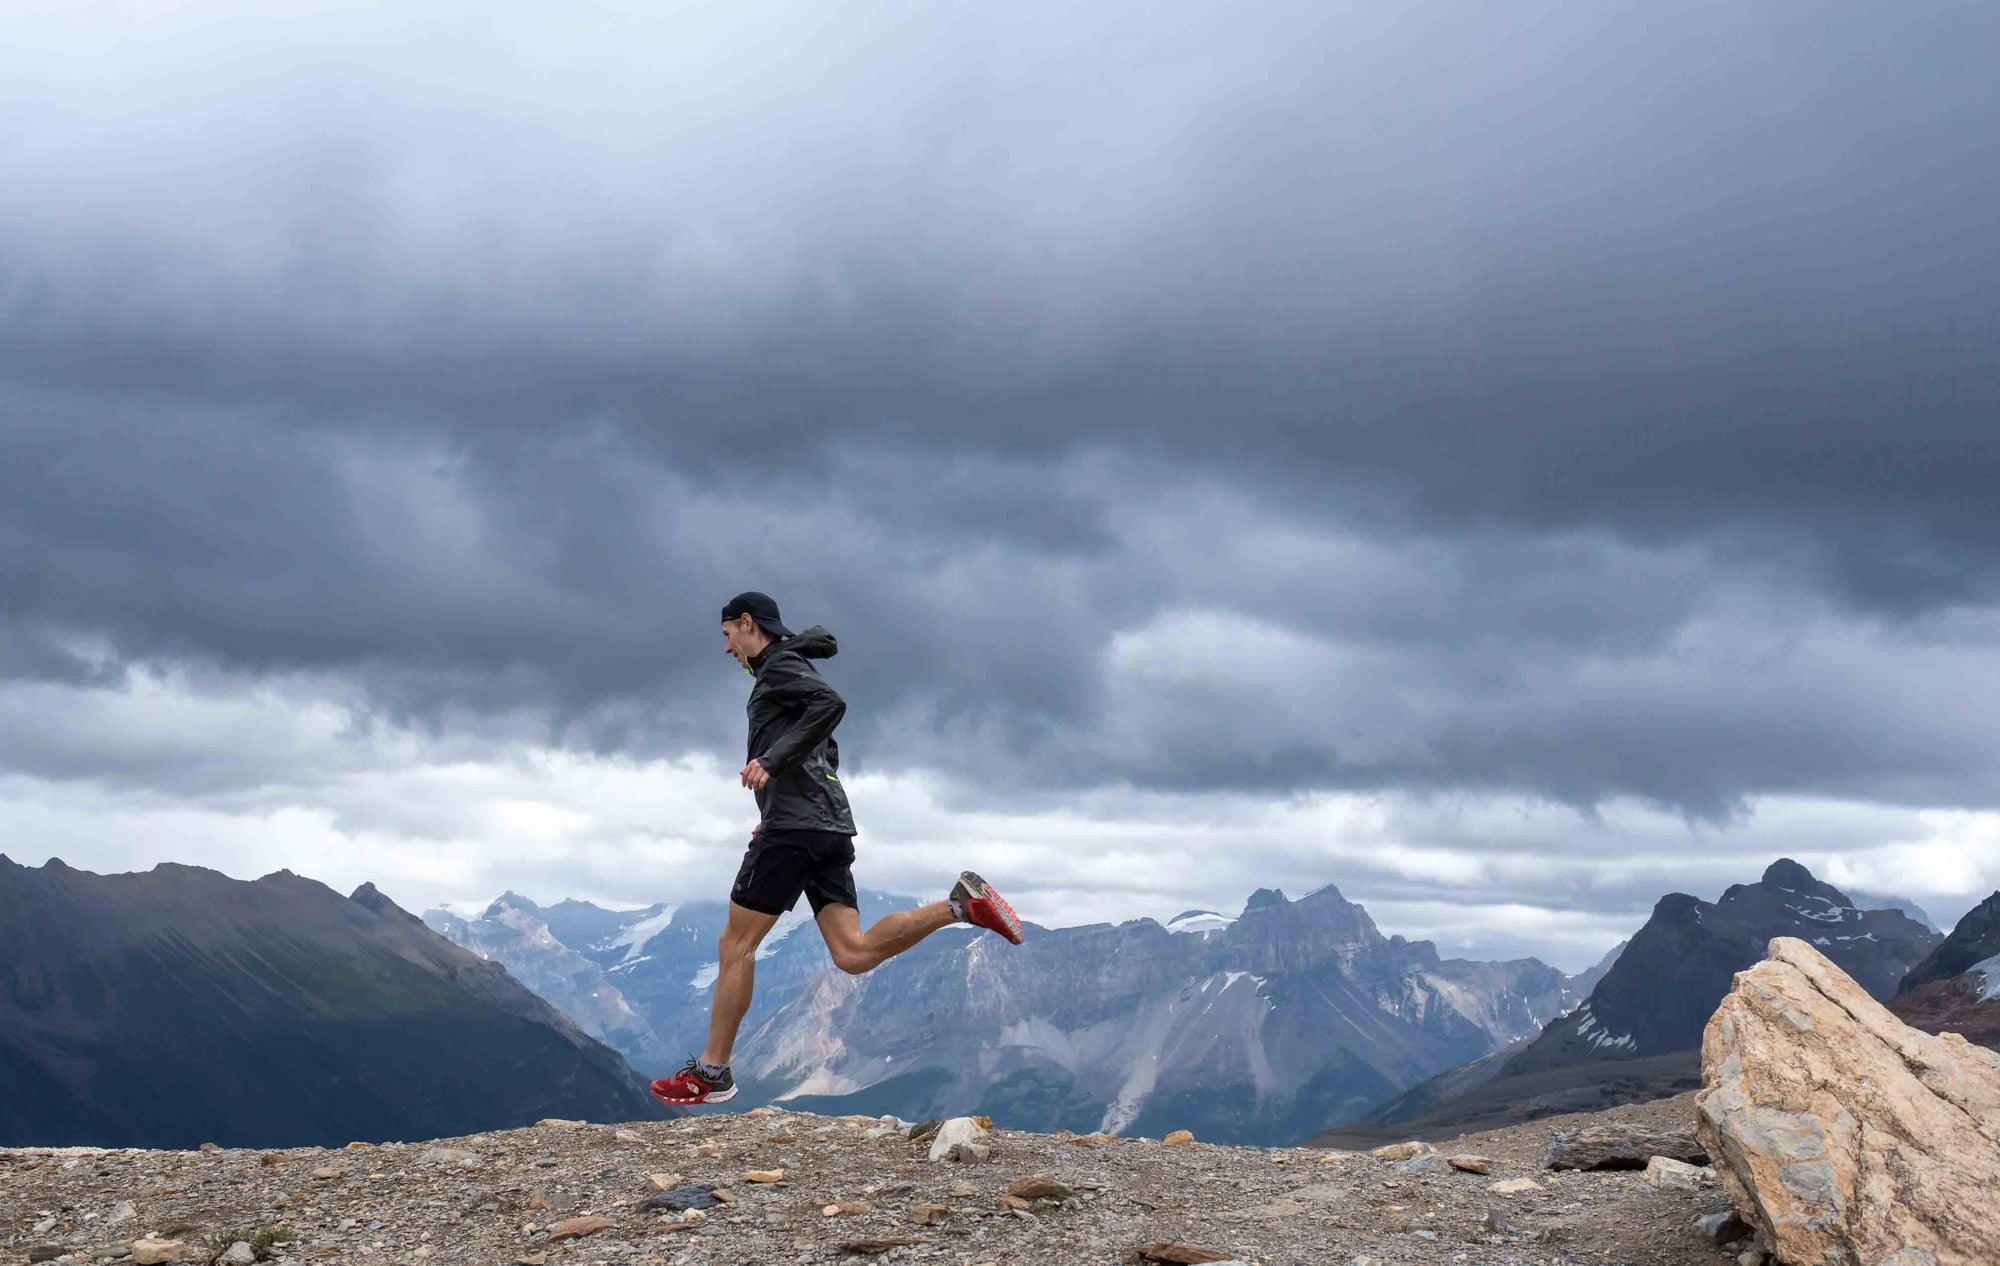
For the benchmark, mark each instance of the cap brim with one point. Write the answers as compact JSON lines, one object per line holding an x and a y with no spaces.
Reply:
{"x":775,"y":629}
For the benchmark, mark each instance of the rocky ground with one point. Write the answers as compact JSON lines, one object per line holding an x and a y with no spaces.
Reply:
{"x":853,"y":1189}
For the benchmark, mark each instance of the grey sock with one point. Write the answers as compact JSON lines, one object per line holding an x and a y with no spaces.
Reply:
{"x":713,"y":1072}
{"x":957,"y":905}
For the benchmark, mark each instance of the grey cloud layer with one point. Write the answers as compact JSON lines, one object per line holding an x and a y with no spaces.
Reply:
{"x":1583,"y":402}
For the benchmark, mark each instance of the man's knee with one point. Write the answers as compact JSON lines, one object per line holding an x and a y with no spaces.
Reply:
{"x":733,"y":948}
{"x":853,"y":962}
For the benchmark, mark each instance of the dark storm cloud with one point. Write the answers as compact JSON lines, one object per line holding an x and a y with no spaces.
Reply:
{"x":1586,"y":402}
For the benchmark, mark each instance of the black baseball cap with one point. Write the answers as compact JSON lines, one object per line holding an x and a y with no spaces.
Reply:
{"x":761,"y":607}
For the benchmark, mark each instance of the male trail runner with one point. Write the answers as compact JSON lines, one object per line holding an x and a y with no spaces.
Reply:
{"x":803,"y":842}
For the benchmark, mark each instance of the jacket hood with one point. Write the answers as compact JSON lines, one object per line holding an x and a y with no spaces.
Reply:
{"x":813,"y":643}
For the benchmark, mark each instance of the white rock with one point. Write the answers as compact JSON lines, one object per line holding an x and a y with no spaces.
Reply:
{"x":237,"y":1254}
{"x":959,"y":1133}
{"x":1669,"y":1174}
{"x":123,"y":1211}
{"x":451,"y":1156}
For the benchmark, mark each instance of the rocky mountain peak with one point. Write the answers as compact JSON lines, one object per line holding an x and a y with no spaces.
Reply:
{"x":511,"y":900}
{"x":1661,"y":990}
{"x":369,"y":897}
{"x":1786,"y":873}
{"x":1265,"y":899}
{"x":1788,"y":882}
{"x":1677,"y":907}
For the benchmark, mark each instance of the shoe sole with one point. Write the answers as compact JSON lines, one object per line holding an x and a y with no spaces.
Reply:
{"x":971,"y":885}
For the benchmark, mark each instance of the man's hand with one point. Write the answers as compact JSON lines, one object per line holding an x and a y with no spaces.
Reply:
{"x":755,"y":776}
{"x":755,"y":829}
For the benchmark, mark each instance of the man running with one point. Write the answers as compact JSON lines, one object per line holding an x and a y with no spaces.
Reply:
{"x":803,"y":841}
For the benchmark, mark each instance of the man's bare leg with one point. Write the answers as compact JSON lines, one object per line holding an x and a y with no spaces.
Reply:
{"x":735,"y":978}
{"x":855,"y":951}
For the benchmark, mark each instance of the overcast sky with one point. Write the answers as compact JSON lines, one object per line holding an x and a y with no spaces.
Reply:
{"x":1510,"y":461}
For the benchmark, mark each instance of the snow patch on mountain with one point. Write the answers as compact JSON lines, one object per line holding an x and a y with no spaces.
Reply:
{"x":1990,"y":969}
{"x":788,"y":923}
{"x":1198,"y":922}
{"x":633,"y":939}
{"x":1599,"y":1037}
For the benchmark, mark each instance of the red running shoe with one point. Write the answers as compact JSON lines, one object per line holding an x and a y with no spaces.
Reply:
{"x":986,"y":908}
{"x":688,"y":1087}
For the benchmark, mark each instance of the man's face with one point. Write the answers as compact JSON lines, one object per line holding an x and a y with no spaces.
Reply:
{"x":741,"y":638}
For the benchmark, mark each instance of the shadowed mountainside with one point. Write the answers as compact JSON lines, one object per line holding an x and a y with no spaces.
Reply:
{"x":176,"y":1006}
{"x":1957,"y":988}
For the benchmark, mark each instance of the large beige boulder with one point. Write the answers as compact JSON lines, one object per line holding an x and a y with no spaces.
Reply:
{"x":1846,"y":1137}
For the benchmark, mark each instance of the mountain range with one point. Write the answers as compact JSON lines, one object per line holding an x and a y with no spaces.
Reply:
{"x":1638,"y":1035}
{"x":177,"y":1006}
{"x":1261,"y":1027}
{"x":639,"y":980}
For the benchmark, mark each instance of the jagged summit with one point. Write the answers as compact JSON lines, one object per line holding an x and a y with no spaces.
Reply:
{"x":511,"y":900}
{"x":1789,"y":875}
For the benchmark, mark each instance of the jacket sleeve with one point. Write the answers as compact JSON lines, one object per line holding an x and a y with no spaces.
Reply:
{"x":789,"y":681}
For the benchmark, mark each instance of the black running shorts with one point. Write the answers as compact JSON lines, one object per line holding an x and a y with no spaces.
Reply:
{"x":781,"y":864}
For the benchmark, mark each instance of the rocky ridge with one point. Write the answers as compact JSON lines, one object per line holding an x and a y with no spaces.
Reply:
{"x":782,"y":1186}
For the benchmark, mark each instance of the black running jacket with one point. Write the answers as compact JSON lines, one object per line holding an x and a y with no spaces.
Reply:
{"x":792,"y":714}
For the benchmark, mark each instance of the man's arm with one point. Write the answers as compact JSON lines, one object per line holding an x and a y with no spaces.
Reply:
{"x":790,"y":681}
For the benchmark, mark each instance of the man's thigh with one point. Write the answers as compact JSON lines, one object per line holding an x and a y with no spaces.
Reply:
{"x":747,"y":928}
{"x":839,"y":927}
